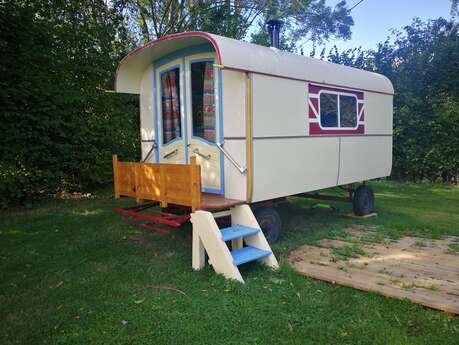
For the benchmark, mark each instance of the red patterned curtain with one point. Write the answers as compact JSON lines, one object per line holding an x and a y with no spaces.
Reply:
{"x":209,"y":103}
{"x":170,"y":105}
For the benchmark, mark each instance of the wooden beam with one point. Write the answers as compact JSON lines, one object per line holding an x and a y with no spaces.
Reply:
{"x":195,"y":180}
{"x":162,"y":186}
{"x":249,"y":135}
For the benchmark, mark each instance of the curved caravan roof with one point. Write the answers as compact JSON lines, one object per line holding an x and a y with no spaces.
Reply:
{"x":239,"y":55}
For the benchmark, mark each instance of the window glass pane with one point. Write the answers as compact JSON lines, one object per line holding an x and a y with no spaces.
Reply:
{"x":328,"y":110}
{"x":170,"y":102}
{"x":203,"y":100}
{"x":348,"y":111}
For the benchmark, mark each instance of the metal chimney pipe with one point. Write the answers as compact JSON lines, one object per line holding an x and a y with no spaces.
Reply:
{"x":274,"y":28}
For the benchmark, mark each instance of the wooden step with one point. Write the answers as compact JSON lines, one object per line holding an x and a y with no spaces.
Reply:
{"x":216,"y":202}
{"x":247,"y":254}
{"x":237,"y":231}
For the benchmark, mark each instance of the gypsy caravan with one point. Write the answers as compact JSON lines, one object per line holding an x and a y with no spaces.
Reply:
{"x":226,"y":124}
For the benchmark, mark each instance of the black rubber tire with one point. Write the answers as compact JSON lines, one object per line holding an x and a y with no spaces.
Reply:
{"x":270,"y":223}
{"x":363,"y":201}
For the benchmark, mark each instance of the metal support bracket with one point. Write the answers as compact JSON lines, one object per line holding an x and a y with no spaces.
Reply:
{"x":242,"y":169}
{"x":153,"y":147}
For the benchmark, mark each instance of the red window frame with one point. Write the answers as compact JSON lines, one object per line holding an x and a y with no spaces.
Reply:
{"x":314,"y":116}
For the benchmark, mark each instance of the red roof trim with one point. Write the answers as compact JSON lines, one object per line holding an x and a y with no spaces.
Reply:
{"x":168,"y":38}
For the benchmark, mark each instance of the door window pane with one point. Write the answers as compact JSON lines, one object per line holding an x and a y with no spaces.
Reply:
{"x":203,"y":100}
{"x":170,"y":103}
{"x":348,"y":111}
{"x":328,"y":110}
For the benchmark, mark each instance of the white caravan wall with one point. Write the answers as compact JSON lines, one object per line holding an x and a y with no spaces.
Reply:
{"x":279,"y":107}
{"x":369,"y":156}
{"x":378,"y":113}
{"x":147,"y":117}
{"x":288,"y":161}
{"x":292,"y":163}
{"x":233,"y":93}
{"x":290,"y":166}
{"x":235,"y":182}
{"x":364,"y":158}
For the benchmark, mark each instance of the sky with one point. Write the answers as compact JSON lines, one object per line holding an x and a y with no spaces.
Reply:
{"x":373,"y":19}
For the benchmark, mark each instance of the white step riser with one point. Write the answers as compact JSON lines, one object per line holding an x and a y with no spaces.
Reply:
{"x":243,"y":215}
{"x":207,"y":238}
{"x":205,"y":228}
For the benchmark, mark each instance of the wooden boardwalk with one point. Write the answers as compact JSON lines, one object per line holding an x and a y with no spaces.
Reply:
{"x":418,"y":269}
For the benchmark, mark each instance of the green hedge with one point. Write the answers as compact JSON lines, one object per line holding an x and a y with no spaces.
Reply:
{"x":59,"y":127}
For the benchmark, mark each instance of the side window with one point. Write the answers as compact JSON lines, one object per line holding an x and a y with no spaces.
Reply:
{"x":338,"y":110}
{"x":348,"y":111}
{"x":203,"y":100}
{"x":170,"y":104}
{"x":328,"y":109}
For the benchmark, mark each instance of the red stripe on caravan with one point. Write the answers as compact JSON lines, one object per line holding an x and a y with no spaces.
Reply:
{"x":315,"y":103}
{"x":314,"y":129}
{"x":167,"y":38}
{"x":361,"y":112}
{"x":314,"y":88}
{"x":313,"y":108}
{"x":317,"y":88}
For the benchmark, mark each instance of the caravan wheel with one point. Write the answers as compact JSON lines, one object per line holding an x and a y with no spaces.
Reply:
{"x":363,"y":201}
{"x":270,"y":223}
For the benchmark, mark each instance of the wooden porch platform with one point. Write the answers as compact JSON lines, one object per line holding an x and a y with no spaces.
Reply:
{"x":422,"y":270}
{"x":176,"y":184}
{"x":215,"y":202}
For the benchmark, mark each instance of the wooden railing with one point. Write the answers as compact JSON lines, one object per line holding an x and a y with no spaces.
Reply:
{"x":177,"y":184}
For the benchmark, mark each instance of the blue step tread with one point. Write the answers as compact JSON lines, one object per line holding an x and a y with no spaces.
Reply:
{"x":246,"y":254}
{"x":237,"y":231}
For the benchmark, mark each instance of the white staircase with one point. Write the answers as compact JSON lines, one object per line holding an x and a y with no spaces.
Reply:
{"x":247,"y":242}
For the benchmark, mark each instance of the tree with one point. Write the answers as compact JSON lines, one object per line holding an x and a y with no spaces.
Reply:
{"x":425,"y":73}
{"x":310,"y":19}
{"x":57,"y":59}
{"x":422,"y":61}
{"x":149,"y":19}
{"x":454,"y":8}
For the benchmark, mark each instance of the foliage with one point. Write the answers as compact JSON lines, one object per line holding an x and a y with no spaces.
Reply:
{"x":311,"y":19}
{"x":150,"y":19}
{"x":59,"y":126}
{"x":71,"y":272}
{"x":423,"y":64}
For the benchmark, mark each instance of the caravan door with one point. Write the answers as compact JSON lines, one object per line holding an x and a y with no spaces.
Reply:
{"x":170,"y":121}
{"x":204,"y":119}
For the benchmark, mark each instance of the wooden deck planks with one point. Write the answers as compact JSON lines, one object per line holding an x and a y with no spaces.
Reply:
{"x":425,"y":274}
{"x":211,"y":202}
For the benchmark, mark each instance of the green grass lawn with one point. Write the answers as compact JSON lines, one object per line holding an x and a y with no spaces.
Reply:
{"x":71,"y":272}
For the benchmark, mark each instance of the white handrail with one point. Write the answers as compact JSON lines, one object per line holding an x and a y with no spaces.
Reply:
{"x":241,"y":169}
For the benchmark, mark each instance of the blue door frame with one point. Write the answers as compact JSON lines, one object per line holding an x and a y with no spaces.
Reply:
{"x":182,"y":54}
